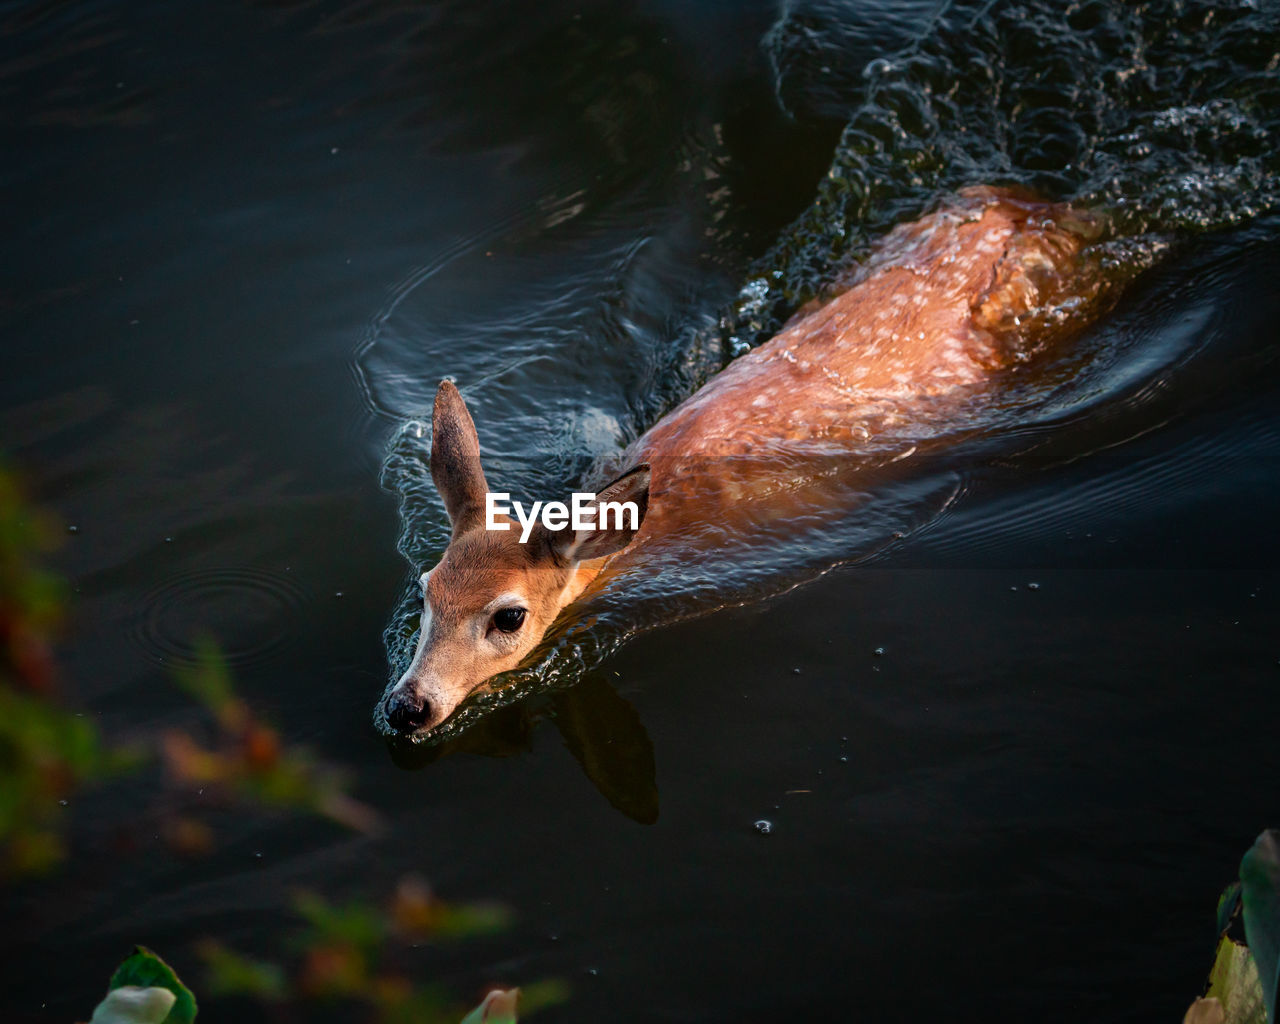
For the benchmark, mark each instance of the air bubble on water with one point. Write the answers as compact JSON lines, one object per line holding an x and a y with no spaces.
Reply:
{"x":73,"y":529}
{"x":764,"y":826}
{"x":878,"y":652}
{"x":1033,"y":586}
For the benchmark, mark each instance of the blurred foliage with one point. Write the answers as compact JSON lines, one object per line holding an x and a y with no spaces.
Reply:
{"x":1242,"y":983}
{"x":31,"y":599}
{"x":132,"y":1005}
{"x":356,"y":954}
{"x":1260,"y":901}
{"x":144,"y":970}
{"x":248,"y":758}
{"x":46,"y":751}
{"x":1233,"y":995}
{"x":499,"y":1007}
{"x":146,"y":990}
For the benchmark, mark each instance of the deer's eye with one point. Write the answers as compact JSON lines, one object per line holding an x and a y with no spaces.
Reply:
{"x":508,"y":620}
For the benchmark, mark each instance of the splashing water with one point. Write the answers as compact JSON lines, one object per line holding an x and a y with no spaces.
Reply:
{"x":1164,"y":115}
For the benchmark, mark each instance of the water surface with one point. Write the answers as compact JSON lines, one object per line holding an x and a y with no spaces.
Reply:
{"x":247,"y":245}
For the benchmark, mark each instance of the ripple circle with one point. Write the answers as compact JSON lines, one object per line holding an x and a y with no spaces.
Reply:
{"x":253,"y":614}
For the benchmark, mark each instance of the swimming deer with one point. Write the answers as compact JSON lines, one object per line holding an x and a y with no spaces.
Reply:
{"x":925,"y":327}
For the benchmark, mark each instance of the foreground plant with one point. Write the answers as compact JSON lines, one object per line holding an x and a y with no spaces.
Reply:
{"x":46,"y":750}
{"x":146,"y":990}
{"x":356,"y":953}
{"x":249,"y":760}
{"x":1243,"y":984}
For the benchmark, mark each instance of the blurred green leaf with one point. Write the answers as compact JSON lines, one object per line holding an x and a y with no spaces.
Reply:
{"x":356,"y":924}
{"x":46,"y":752}
{"x":1260,"y":883}
{"x":231,"y":973}
{"x":146,"y":970}
{"x":1228,"y":904}
{"x":133,"y":1005}
{"x":542,"y":994}
{"x":467,"y":919}
{"x":208,"y":680}
{"x":401,"y":1003}
{"x":250,"y":758}
{"x":499,"y":1007}
{"x":33,"y":850}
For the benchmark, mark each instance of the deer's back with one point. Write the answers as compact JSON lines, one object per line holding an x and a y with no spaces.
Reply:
{"x":942,"y":305}
{"x":940,"y":309}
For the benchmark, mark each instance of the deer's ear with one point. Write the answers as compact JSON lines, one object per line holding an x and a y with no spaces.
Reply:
{"x":455,"y":458}
{"x":616,"y":524}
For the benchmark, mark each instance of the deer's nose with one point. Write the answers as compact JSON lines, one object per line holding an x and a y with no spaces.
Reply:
{"x":406,"y":712}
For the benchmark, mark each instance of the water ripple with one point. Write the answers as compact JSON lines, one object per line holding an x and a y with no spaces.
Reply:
{"x":254,"y":613}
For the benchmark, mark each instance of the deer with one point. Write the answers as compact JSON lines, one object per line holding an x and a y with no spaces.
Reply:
{"x":880,"y":367}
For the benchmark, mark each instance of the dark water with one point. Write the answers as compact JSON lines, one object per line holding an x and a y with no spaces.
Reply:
{"x":243,"y":247}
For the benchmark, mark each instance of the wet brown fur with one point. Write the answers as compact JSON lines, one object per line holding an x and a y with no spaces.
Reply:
{"x":931,"y":320}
